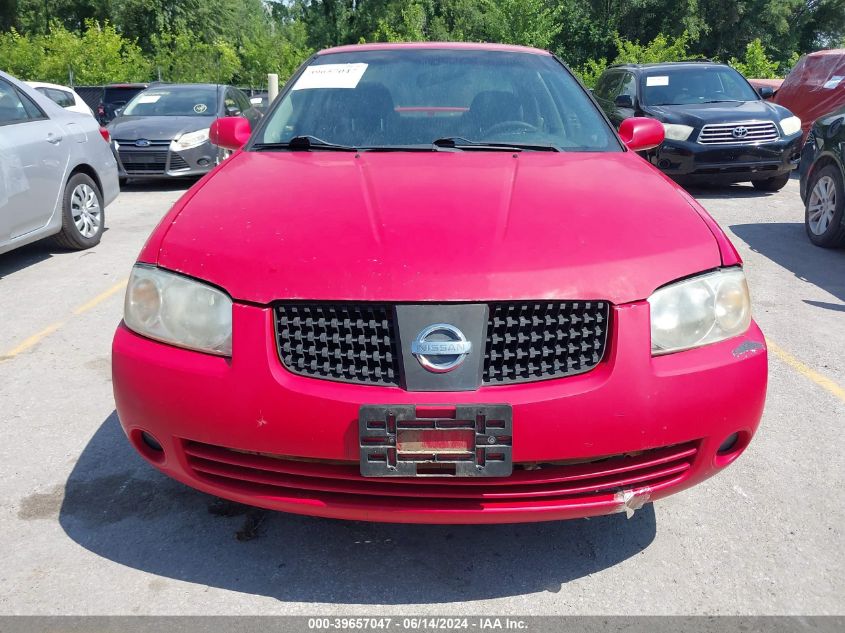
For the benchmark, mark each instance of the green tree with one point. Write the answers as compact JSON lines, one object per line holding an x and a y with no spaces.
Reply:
{"x":20,"y":55}
{"x":756,"y":63}
{"x":183,"y":57}
{"x":660,"y":49}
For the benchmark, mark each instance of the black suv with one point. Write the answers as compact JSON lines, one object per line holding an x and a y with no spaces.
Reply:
{"x":115,"y":96}
{"x":718,"y":128}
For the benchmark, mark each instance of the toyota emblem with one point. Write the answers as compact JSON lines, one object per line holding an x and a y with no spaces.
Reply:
{"x":440,"y":347}
{"x":740,"y":132}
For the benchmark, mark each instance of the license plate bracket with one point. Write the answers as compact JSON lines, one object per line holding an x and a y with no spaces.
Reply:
{"x":436,"y":440}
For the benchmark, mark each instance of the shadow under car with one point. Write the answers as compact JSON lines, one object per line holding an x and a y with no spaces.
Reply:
{"x":122,"y":509}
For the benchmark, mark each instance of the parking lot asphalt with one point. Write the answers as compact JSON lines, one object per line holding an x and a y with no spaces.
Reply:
{"x":89,"y":528}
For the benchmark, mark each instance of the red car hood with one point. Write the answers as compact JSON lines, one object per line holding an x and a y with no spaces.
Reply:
{"x":439,"y":226}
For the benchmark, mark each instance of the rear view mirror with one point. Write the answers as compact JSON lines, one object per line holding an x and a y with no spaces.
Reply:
{"x":641,"y":133}
{"x":230,"y":132}
{"x":623,"y":101}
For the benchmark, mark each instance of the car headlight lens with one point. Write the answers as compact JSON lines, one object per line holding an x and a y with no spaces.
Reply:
{"x":178,"y":310}
{"x":189,"y":140}
{"x":699,"y":311}
{"x":790,"y":125}
{"x":677,"y":132}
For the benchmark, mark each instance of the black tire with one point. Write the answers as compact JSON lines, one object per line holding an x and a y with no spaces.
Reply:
{"x":834,"y":235}
{"x":71,"y":236}
{"x":771,"y":184}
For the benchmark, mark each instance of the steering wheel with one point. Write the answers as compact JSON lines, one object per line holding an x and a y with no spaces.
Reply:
{"x":521,"y":127}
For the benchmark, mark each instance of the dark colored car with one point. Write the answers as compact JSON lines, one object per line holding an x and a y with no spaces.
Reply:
{"x":163,"y":131}
{"x":718,"y":128}
{"x":115,"y":96}
{"x":823,"y":181}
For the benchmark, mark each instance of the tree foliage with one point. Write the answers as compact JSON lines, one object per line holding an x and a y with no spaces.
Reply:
{"x":756,"y":63}
{"x":243,"y":40}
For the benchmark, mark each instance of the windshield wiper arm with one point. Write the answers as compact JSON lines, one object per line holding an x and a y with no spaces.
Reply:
{"x":306,"y":142}
{"x":459,"y":142}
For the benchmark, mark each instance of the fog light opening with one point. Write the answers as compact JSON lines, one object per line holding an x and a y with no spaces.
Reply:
{"x":731,"y":448}
{"x":728,"y":445}
{"x":151,"y":442}
{"x":203,"y":162}
{"x":148,"y":446}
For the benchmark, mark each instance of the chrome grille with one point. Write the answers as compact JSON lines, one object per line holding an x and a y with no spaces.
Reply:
{"x":725,"y":133}
{"x":525,"y":342}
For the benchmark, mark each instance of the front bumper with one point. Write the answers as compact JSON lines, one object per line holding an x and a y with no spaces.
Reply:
{"x":692,"y":161}
{"x":159,"y":161}
{"x":296,"y":446}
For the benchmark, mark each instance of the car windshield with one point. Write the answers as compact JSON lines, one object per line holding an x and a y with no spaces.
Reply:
{"x":695,"y":84}
{"x":200,"y":101}
{"x":408,"y":99}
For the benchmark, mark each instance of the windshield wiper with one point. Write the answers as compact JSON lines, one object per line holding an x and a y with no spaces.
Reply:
{"x":722,"y":101}
{"x":459,"y":142}
{"x":306,"y":142}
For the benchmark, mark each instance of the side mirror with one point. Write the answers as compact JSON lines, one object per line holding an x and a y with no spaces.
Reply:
{"x":641,"y":133}
{"x":233,"y":111}
{"x":766,"y":92}
{"x":117,"y":112}
{"x":230,"y":133}
{"x":624,"y":101}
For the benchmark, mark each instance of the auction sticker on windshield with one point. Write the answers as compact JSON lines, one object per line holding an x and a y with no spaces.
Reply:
{"x":657,"y":80}
{"x":331,"y":76}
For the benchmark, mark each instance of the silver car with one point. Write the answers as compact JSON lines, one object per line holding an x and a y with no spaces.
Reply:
{"x":57,"y":171}
{"x":163,"y":131}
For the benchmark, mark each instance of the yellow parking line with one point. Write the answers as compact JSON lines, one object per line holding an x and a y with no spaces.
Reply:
{"x":808,"y":372}
{"x":101,"y":297}
{"x":47,"y":331}
{"x":32,"y":340}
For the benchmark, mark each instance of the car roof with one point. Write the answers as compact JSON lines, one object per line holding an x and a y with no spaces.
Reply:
{"x":164,"y":86}
{"x":475,"y":46}
{"x":45,"y":84}
{"x":690,"y":63}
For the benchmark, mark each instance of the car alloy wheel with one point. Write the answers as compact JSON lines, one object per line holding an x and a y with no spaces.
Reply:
{"x":86,"y":211}
{"x":822,"y":205}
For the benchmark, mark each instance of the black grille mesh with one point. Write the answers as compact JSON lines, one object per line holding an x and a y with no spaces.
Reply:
{"x":177,"y":162}
{"x":542,"y":340}
{"x":137,"y":161}
{"x":354,"y":342}
{"x":526,"y":341}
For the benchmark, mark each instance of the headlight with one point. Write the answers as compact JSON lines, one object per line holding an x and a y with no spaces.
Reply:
{"x":677,"y":132}
{"x":699,"y":311}
{"x":790,"y":125}
{"x":177,"y":310}
{"x":189,"y":140}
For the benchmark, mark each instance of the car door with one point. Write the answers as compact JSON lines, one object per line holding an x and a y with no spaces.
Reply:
{"x":33,"y":159}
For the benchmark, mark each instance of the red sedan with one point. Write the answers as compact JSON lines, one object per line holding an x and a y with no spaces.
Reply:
{"x":434,"y":285}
